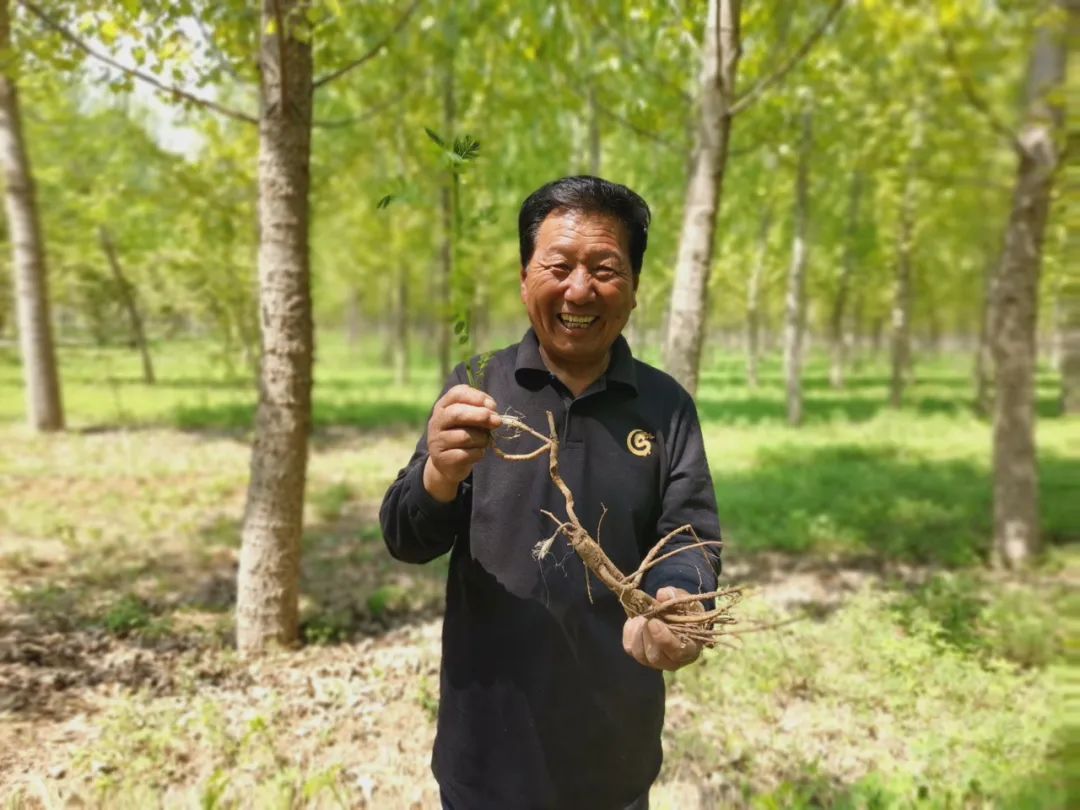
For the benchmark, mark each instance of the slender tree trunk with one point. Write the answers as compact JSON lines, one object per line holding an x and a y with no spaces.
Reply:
{"x":446,"y":208}
{"x":934,"y":335}
{"x":984,"y":361}
{"x":901,"y":306}
{"x":401,"y":326}
{"x":687,"y":324}
{"x":127,"y":295}
{"x":352,"y":318}
{"x":795,"y":301}
{"x":44,"y":407}
{"x":595,"y":152}
{"x":837,"y":336}
{"x":1016,"y":495}
{"x":753,"y":298}
{"x":268,"y":588}
{"x":877,"y":330}
{"x":1069,"y":331}
{"x":858,"y":330}
{"x":1068,"y":299}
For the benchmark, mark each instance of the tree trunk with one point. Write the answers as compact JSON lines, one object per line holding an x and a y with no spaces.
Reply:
{"x":753,"y":298}
{"x":401,"y":326}
{"x":595,"y":153}
{"x":900,"y":336}
{"x":795,"y":301}
{"x":1068,"y":299}
{"x":838,"y":339}
{"x":446,"y":207}
{"x":984,"y":361}
{"x":686,"y":324}
{"x":1016,"y":495}
{"x":268,"y":587}
{"x":44,"y":407}
{"x":858,"y":330}
{"x":127,"y":295}
{"x":1069,"y":331}
{"x":352,"y":318}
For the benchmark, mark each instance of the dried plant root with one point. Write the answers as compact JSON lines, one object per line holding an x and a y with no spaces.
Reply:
{"x":684,"y":615}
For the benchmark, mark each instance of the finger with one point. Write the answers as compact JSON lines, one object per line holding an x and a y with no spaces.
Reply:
{"x":458,"y":414}
{"x":464,"y":438}
{"x":628,"y":636}
{"x":667,"y":593}
{"x":469,"y":396}
{"x":455,"y":457}
{"x":660,"y":645}
{"x":637,"y":641}
{"x":678,"y":652}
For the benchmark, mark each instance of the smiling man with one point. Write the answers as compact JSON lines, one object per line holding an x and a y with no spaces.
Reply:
{"x":549,"y":696}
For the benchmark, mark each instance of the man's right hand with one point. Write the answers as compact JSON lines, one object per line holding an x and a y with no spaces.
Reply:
{"x":458,"y":434}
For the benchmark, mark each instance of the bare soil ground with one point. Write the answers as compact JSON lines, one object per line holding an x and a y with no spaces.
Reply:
{"x":364,"y":708}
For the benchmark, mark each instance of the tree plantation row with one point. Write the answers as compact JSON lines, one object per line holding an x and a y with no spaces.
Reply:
{"x":863,"y":171}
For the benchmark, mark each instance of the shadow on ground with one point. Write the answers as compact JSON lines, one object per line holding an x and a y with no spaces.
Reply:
{"x":877,"y":502}
{"x":823,"y":405}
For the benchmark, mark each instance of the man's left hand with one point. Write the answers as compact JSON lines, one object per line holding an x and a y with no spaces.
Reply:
{"x":651,"y":643}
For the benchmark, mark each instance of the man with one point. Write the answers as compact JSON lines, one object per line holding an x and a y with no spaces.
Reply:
{"x":550,"y":697}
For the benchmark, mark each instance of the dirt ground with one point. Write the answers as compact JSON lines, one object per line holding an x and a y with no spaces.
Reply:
{"x":363,"y":711}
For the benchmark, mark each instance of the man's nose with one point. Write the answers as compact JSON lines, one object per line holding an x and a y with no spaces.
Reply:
{"x":579,"y":286}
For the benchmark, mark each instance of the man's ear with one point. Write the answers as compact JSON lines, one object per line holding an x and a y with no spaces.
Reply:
{"x":637,"y":276}
{"x":523,"y":270}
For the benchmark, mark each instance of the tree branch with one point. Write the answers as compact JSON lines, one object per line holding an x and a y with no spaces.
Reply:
{"x":973,"y":97}
{"x":752,"y":95}
{"x":281,"y":74}
{"x":371,"y":54}
{"x":146,"y":78}
{"x":367,"y":115}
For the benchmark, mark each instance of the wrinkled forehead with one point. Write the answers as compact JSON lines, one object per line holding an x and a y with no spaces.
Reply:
{"x":583,"y":233}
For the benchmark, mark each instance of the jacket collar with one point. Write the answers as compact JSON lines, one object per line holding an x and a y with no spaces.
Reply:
{"x":530,"y":364}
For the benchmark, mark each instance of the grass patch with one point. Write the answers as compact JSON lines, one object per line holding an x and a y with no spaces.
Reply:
{"x":893,"y":700}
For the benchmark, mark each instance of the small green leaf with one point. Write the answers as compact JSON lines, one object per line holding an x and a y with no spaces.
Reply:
{"x":459,"y":327}
{"x":466,"y":148}
{"x":384,"y":201}
{"x":109,"y":32}
{"x":431,"y":134}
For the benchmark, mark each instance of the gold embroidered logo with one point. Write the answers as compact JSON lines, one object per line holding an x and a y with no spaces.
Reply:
{"x":639,"y":442}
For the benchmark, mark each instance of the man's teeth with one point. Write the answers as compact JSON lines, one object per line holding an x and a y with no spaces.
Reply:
{"x":576,"y":321}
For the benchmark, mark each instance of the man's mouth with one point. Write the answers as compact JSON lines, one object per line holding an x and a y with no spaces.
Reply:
{"x":576,"y":321}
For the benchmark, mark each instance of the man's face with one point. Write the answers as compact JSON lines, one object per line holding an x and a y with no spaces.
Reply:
{"x":579,"y":287}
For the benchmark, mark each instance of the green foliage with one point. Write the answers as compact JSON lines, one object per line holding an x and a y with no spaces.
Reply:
{"x":127,"y":615}
{"x":995,"y":620}
{"x":330,"y":501}
{"x":384,"y":599}
{"x":428,"y":698}
{"x":960,"y":729}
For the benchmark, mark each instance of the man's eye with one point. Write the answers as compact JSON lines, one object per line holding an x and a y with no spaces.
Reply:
{"x":606,"y":272}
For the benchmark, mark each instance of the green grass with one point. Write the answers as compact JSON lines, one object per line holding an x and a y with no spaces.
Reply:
{"x":878,"y":705}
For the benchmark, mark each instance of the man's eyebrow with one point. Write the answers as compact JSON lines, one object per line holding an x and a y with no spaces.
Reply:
{"x":594,"y":253}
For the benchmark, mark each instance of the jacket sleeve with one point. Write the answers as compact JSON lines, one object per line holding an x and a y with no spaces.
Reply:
{"x":688,"y":498}
{"x":415,"y":526}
